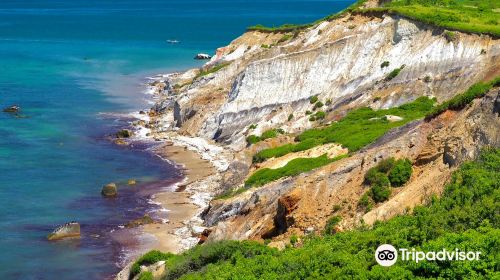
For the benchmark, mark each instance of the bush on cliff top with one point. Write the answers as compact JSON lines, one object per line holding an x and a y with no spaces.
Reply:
{"x":271,"y":133}
{"x":465,"y":217}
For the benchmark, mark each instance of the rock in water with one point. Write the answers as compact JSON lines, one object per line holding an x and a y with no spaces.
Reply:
{"x":71,"y":229}
{"x":109,"y":190}
{"x":12,"y":109}
{"x":132,"y":182}
{"x":202,"y":56}
{"x":124,"y":133}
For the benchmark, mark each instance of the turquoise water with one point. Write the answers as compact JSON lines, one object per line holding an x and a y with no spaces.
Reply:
{"x":67,"y":62}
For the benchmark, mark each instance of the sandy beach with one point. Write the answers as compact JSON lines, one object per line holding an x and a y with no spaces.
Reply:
{"x":179,"y":203}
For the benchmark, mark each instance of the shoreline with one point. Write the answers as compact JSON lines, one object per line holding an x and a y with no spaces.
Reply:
{"x":200,"y":163}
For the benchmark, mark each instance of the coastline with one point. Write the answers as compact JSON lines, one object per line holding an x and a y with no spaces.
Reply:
{"x":200,"y":163}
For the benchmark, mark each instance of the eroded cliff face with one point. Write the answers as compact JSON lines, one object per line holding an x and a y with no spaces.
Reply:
{"x":338,"y":61}
{"x":264,"y":78}
{"x":303,"y":204}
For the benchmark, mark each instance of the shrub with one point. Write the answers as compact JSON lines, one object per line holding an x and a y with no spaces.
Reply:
{"x":252,"y":126}
{"x":313,"y":99}
{"x":331,"y":223}
{"x":336,"y":208}
{"x":211,"y":70}
{"x":290,"y":117}
{"x":380,"y":193}
{"x":293,"y":239}
{"x":149,"y":258}
{"x":386,"y":165}
{"x":384,"y":64}
{"x":427,"y":79}
{"x":252,"y":139}
{"x":318,"y":116}
{"x":264,"y":46}
{"x":318,"y":104}
{"x":450,"y":36}
{"x":400,"y":173}
{"x":364,"y":202}
{"x":328,"y":102}
{"x":394,"y":73}
{"x":308,"y":112}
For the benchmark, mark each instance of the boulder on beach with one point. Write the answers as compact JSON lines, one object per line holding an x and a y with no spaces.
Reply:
{"x":124,"y":133}
{"x":131,"y":182}
{"x":202,"y":56}
{"x":12,"y":109}
{"x":141,"y":221}
{"x":109,"y":190}
{"x":69,"y":230}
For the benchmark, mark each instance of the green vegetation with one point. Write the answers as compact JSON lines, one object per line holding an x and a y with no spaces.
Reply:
{"x":149,"y":258}
{"x":294,"y":239}
{"x":271,"y":133}
{"x":400,"y":173}
{"x":394,"y":73}
{"x":211,"y":70}
{"x":318,"y":105}
{"x":460,"y":101}
{"x":475,"y":16}
{"x":252,"y":126}
{"x":384,"y":64}
{"x":147,"y":275}
{"x":387,"y":173}
{"x":465,"y":217}
{"x":317,"y":116}
{"x":264,"y":46}
{"x":290,"y":117}
{"x":357,"y":129}
{"x":365,"y":203}
{"x":450,"y":36}
{"x":313,"y":99}
{"x":292,"y":168}
{"x":331,"y":223}
{"x":285,"y":38}
{"x":296,"y":27}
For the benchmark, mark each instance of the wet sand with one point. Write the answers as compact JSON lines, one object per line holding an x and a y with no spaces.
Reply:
{"x":178,"y":203}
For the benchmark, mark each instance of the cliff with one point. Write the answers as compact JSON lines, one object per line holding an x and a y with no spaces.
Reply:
{"x":266,"y":80}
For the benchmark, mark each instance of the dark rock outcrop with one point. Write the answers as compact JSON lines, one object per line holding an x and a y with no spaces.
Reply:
{"x":109,"y":190}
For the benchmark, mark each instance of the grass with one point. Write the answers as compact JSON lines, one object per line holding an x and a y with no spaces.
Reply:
{"x":356,"y":130}
{"x":292,"y":168}
{"x":474,"y":16}
{"x":149,"y":258}
{"x":460,"y":101}
{"x":285,"y":28}
{"x":271,"y":133}
{"x":465,"y":217}
{"x":211,"y":70}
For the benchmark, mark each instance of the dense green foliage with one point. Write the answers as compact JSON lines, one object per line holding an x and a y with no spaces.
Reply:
{"x":271,"y":133}
{"x":387,"y":173}
{"x":292,"y":168}
{"x":148,"y":259}
{"x":317,"y":116}
{"x":357,"y":129}
{"x":400,"y":173}
{"x":477,"y":16}
{"x":466,"y":217}
{"x":331,"y":223}
{"x":460,"y":101}
{"x":384,"y":64}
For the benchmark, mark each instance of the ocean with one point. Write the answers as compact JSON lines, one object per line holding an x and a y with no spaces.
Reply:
{"x":76,"y":68}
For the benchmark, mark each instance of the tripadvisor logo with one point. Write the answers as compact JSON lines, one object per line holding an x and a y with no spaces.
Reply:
{"x":387,"y":255}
